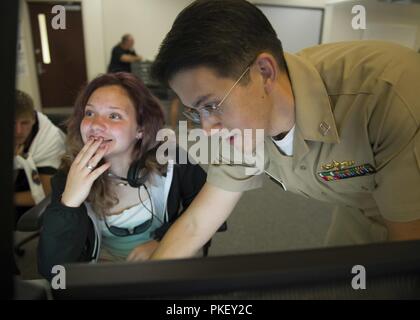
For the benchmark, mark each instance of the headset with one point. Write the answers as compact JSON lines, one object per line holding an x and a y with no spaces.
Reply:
{"x":136,"y":177}
{"x":137,"y":174}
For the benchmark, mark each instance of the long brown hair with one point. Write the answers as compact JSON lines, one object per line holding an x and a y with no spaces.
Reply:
{"x":150,"y":119}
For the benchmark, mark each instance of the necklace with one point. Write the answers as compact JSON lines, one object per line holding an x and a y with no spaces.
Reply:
{"x":123,"y":181}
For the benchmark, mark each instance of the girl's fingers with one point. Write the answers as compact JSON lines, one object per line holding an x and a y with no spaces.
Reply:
{"x":93,"y":162}
{"x":88,"y":154}
{"x":83,"y":150}
{"x":95,"y":174}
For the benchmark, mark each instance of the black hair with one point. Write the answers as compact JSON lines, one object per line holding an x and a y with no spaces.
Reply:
{"x":225,"y":35}
{"x":125,"y":37}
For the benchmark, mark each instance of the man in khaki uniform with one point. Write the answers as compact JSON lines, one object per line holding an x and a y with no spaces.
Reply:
{"x":341,"y":122}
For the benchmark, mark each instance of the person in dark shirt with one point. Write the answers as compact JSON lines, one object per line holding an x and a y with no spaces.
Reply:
{"x":123,"y":55}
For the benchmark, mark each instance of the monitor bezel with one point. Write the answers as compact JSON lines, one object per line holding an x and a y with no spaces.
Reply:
{"x":224,"y":274}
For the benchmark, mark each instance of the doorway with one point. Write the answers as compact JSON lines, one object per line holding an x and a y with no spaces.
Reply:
{"x":59,"y":53}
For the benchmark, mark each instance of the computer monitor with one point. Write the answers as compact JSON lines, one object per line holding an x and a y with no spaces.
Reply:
{"x":391,"y":269}
{"x":374,"y":271}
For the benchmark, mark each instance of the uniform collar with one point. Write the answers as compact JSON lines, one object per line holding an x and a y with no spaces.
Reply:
{"x":314,"y":117}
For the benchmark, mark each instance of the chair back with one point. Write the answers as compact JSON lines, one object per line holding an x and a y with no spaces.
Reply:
{"x":31,"y":220}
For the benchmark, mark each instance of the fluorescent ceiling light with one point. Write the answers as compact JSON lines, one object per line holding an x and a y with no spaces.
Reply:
{"x":45,"y":48}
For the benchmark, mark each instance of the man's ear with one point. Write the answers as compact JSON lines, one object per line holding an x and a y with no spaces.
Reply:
{"x":268,"y":69}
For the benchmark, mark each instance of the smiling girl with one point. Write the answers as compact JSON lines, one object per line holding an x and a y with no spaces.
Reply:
{"x":96,"y":213}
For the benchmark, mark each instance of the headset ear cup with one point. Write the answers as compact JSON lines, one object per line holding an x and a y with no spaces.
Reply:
{"x":134,"y":177}
{"x":131,"y":174}
{"x":141,"y":180}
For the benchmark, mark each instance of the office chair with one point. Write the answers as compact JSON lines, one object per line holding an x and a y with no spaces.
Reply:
{"x":31,"y":221}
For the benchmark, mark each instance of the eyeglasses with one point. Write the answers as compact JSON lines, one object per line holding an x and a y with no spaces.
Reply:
{"x":203,"y":112}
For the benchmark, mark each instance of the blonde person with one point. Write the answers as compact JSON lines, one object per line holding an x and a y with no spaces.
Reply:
{"x":39,"y":146}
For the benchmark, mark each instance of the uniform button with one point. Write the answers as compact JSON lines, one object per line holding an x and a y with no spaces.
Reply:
{"x":302,"y":167}
{"x":324,"y":128}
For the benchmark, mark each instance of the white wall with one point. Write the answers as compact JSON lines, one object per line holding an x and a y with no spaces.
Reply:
{"x":93,"y":32}
{"x":295,"y":3}
{"x":296,"y":27}
{"x":147,"y":20}
{"x":338,"y":17}
{"x":150,"y":20}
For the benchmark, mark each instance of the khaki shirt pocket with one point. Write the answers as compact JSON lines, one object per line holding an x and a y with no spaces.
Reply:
{"x":353,"y":184}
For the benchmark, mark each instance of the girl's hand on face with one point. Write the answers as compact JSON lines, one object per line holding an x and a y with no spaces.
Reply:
{"x":143,"y":251}
{"x":83,"y":173}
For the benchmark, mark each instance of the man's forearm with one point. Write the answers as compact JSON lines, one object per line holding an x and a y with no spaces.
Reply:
{"x":209,"y":209}
{"x":400,"y":231}
{"x":178,"y":242}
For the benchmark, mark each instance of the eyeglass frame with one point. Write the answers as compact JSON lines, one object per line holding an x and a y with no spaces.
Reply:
{"x":125,"y":232}
{"x":196,"y":115}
